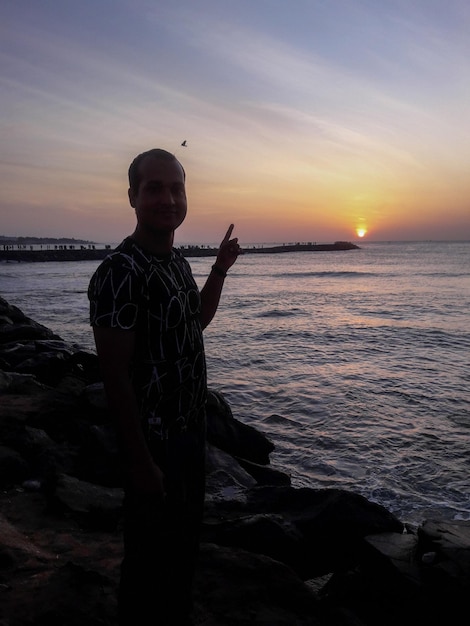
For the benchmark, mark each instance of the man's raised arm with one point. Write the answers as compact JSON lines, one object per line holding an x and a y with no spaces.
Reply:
{"x":210,"y":293}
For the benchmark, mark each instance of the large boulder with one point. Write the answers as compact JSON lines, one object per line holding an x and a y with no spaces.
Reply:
{"x":238,"y":588}
{"x":233,"y":436}
{"x":317,"y":531}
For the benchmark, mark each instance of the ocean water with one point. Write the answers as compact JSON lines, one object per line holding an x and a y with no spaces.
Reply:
{"x":356,"y":364}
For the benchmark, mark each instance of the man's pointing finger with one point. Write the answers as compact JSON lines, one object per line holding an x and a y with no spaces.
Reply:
{"x":228,"y":233}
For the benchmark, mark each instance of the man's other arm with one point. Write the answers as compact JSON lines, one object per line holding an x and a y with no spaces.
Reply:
{"x":115,"y":350}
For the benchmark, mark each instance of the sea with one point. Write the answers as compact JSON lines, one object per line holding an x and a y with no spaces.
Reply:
{"x":355,"y":364}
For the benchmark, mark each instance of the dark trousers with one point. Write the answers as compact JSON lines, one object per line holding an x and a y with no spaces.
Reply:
{"x":161,"y":538}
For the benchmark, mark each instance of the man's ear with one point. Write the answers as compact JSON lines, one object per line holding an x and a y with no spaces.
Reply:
{"x":131,"y":196}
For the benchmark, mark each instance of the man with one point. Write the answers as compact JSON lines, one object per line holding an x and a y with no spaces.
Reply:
{"x":148,"y":316}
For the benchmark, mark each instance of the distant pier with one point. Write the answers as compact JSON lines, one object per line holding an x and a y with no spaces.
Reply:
{"x":84,"y":253}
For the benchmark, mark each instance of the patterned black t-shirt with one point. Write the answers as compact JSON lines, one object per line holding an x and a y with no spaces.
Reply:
{"x":158,"y":299}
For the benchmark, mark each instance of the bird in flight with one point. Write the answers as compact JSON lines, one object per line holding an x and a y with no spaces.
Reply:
{"x":184,"y":144}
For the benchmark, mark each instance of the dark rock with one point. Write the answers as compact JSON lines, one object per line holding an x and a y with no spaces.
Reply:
{"x":330,"y":526}
{"x":398,"y":553}
{"x":265,"y":475}
{"x":17,"y":332}
{"x":22,"y":384}
{"x":13,"y":468}
{"x":92,"y":505}
{"x":268,"y":534}
{"x":74,"y":596}
{"x":235,"y":588}
{"x":232,"y":436}
{"x":217,"y":461}
{"x":447,"y":542}
{"x":27,"y":441}
{"x":98,"y":457}
{"x":85,"y":364}
{"x":47,"y":367}
{"x":444,"y":549}
{"x":14,"y":353}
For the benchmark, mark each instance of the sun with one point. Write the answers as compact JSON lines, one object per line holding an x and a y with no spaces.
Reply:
{"x":361,"y":232}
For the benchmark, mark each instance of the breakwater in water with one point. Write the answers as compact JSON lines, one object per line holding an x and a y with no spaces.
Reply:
{"x":72,"y":253}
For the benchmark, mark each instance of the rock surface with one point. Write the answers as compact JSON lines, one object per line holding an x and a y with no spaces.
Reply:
{"x":271,"y":554}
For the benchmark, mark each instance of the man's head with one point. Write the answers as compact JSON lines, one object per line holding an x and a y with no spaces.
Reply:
{"x":156,"y":153}
{"x":157,"y":192}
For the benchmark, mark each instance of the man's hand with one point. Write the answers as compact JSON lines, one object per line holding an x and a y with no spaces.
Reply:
{"x":210,"y":293}
{"x":228,"y":251}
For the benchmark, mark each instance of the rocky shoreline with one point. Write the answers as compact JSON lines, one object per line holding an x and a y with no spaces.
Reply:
{"x":272,"y":555}
{"x":91,"y":253}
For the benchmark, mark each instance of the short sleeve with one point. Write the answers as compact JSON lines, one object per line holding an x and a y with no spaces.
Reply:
{"x":114,"y":293}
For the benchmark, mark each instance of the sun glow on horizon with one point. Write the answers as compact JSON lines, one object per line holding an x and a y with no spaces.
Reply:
{"x":361,"y":232}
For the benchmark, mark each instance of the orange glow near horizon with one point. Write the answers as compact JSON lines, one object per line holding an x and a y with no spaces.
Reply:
{"x":361,"y":232}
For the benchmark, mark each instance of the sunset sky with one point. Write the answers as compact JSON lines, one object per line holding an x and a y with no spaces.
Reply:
{"x":305,"y":120}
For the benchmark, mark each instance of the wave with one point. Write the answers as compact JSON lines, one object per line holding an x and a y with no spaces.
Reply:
{"x":325,"y":274}
{"x":280,"y":420}
{"x":280,"y":313}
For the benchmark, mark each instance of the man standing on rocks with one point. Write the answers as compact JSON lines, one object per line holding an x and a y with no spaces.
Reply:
{"x":148,"y":316}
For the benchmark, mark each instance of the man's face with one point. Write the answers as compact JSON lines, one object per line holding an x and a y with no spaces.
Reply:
{"x":160,"y":202}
